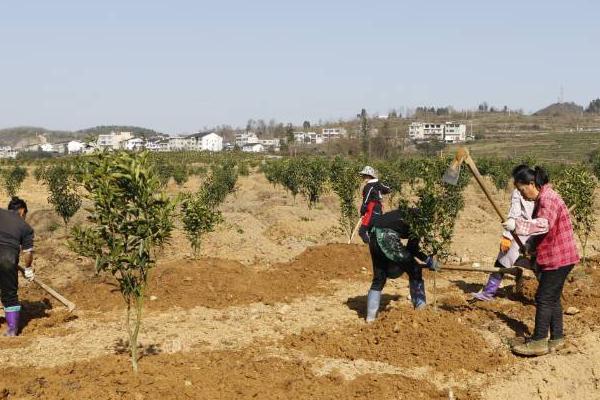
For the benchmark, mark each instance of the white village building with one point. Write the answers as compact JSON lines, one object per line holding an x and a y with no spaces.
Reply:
{"x":253,"y":148}
{"x":7,"y":152}
{"x":113,"y":140}
{"x":333,"y":133}
{"x":243,"y":138}
{"x":449,"y":132}
{"x":209,"y":141}
{"x":134,"y":144}
{"x":75,"y":147}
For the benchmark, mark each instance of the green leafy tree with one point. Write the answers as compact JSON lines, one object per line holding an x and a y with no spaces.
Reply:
{"x":129,"y":218}
{"x":13,"y":178}
{"x":577,"y":186}
{"x":594,"y":107}
{"x":63,"y":187}
{"x":438,"y":204}
{"x":200,"y":214}
{"x":313,"y":178}
{"x":180,"y":174}
{"x":198,"y":219}
{"x":345,"y":182}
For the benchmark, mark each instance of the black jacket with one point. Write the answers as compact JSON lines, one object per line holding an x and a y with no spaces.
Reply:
{"x":15,"y":233}
{"x":373,"y":191}
{"x":393,"y":220}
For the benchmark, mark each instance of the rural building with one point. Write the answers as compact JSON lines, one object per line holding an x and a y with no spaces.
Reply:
{"x":75,"y":147}
{"x":208,"y":141}
{"x":113,"y":140}
{"x":182,"y":143}
{"x":7,"y":152}
{"x":270,"y":144}
{"x":308,"y":137}
{"x":455,"y":132}
{"x":46,"y":147}
{"x":243,"y":138}
{"x":450,"y":132}
{"x":134,"y":144}
{"x":253,"y":148}
{"x":332,"y":133}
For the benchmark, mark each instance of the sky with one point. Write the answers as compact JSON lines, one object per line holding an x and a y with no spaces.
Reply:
{"x":178,"y":66}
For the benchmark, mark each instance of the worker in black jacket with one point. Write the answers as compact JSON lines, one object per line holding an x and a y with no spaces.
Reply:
{"x":371,"y":205}
{"x":16,"y":237}
{"x":391,"y":258}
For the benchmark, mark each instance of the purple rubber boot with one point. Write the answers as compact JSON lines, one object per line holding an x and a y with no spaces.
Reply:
{"x":489,"y":290}
{"x":12,"y":315}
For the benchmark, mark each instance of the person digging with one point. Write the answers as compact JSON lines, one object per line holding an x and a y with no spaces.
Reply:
{"x":16,"y":236}
{"x":391,"y":259}
{"x":372,"y":196}
{"x":556,"y":255}
{"x":509,"y":254}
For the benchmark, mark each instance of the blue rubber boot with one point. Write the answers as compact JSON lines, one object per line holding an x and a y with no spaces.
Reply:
{"x":373,"y":300}
{"x":417,"y":293}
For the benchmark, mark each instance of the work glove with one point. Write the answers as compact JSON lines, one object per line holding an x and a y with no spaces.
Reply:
{"x":432,"y":264}
{"x":510,"y":224}
{"x":363,"y":232}
{"x":28,"y":273}
{"x":505,"y":244}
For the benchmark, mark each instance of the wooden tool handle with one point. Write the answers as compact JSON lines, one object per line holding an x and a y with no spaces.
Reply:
{"x":355,"y":229}
{"x":512,"y":270}
{"x":469,"y":161}
{"x":70,"y":305}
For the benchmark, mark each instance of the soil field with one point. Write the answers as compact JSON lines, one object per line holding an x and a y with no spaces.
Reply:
{"x":274,"y":309}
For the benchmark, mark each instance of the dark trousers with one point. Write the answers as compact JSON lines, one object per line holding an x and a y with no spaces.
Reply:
{"x":384,"y":268}
{"x":548,"y":312}
{"x":9,"y":281}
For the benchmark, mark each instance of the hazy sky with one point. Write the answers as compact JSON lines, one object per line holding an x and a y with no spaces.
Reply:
{"x":177,"y":65}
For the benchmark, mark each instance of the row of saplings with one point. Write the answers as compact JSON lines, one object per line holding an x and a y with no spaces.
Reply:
{"x":130,"y":215}
{"x":419,"y":179}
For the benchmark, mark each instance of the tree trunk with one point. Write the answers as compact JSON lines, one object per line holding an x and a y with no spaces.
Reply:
{"x":135,"y":329}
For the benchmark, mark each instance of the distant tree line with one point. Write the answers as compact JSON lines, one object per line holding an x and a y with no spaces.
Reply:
{"x":594,"y":107}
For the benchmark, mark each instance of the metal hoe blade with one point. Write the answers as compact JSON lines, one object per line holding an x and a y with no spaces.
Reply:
{"x":451,"y":175}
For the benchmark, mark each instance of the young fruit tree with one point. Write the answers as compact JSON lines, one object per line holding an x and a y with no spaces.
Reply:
{"x":130,"y":217}
{"x":577,"y":186}
{"x":62,"y":184}
{"x":345,"y":182}
{"x":13,"y":178}
{"x":433,"y":214}
{"x":199,"y":210}
{"x":313,"y":176}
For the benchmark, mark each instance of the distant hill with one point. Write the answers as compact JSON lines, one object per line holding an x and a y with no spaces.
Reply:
{"x":26,"y":135}
{"x":560,"y":109}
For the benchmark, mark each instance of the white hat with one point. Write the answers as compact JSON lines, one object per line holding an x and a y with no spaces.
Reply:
{"x":369,"y":171}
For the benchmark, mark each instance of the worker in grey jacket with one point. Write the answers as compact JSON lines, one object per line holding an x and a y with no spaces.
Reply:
{"x":16,"y":238}
{"x":510,"y":253}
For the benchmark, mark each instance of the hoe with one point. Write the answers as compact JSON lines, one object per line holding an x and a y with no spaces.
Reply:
{"x":451,"y":177}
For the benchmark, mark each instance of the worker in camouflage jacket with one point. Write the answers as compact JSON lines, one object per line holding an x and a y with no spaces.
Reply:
{"x":391,"y":258}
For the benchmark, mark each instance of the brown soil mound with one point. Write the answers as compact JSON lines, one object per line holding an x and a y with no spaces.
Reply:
{"x":217,"y":375}
{"x":218,"y":283}
{"x":407,"y":338}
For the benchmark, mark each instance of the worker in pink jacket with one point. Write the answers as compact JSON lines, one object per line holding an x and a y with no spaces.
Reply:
{"x":556,"y":255}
